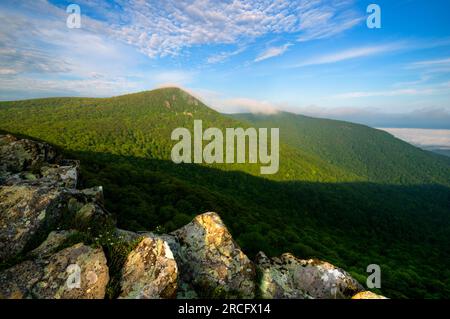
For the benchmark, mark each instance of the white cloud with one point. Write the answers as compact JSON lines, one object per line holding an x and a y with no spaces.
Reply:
{"x":166,"y":28}
{"x":349,"y":54}
{"x":223,"y":56}
{"x":422,"y":137}
{"x":272,"y":52}
{"x":223,"y":103}
{"x":169,"y":78}
{"x":428,"y":90}
{"x":248,"y":105}
{"x":428,"y":63}
{"x":389,"y":93}
{"x":435,"y":66}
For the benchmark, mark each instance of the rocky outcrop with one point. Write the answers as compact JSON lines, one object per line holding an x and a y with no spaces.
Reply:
{"x":150,"y":271}
{"x":37,"y":195}
{"x":288,"y":277}
{"x":52,"y":236}
{"x":211,"y":262}
{"x":22,"y":155}
{"x":24,"y":211}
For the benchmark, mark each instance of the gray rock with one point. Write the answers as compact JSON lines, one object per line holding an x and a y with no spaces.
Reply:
{"x":63,"y":176}
{"x":53,"y":241}
{"x":24,"y":210}
{"x":77,"y":272}
{"x":16,"y":282}
{"x":211,"y":263}
{"x":289,"y":277}
{"x":18,"y":155}
{"x":368,"y":295}
{"x":150,"y":271}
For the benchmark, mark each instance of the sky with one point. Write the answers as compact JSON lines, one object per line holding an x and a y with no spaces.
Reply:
{"x":313,"y":57}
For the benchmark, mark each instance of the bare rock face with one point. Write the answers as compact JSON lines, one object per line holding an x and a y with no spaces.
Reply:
{"x":63,"y":176}
{"x":77,"y":272}
{"x":211,"y":263}
{"x":23,"y":155}
{"x":37,"y":192}
{"x":24,"y":210}
{"x":16,"y":282}
{"x":150,"y":271}
{"x":53,"y":241}
{"x":289,"y":277}
{"x":367,"y":295}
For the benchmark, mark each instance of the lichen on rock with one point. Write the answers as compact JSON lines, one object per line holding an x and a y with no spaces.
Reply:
{"x":290,"y":277}
{"x":210,"y":261}
{"x":77,"y":272}
{"x":368,"y":295}
{"x":150,"y":271}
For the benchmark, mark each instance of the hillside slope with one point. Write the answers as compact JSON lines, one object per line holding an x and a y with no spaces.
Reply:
{"x":374,"y":155}
{"x":325,"y":202}
{"x":140,"y":125}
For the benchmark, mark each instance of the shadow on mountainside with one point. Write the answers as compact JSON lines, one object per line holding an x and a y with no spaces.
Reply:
{"x":404,"y":229}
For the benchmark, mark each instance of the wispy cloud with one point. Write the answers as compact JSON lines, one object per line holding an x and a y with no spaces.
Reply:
{"x":272,"y":52}
{"x":223,"y":56}
{"x":349,"y":54}
{"x":436,"y":66}
{"x":428,"y":90}
{"x":428,"y":63}
{"x":402,"y":92}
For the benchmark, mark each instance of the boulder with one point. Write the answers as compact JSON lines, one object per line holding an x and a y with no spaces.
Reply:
{"x":77,"y":272}
{"x":24,"y":211}
{"x":368,"y":295}
{"x":54,"y":240}
{"x":18,"y":155}
{"x":150,"y":271}
{"x":211,"y":263}
{"x":16,"y":282}
{"x":290,"y":277}
{"x":63,"y":176}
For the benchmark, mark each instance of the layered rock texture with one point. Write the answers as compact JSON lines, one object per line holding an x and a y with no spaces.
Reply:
{"x":57,"y":241}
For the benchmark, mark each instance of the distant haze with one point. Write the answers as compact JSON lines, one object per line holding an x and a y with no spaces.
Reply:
{"x":424,"y":138}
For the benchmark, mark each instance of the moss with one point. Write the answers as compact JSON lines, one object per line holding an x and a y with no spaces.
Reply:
{"x":116,"y":251}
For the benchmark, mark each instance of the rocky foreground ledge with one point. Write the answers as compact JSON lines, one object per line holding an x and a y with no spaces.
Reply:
{"x":59,"y":242}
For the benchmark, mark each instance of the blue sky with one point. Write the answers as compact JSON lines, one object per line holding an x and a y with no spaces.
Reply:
{"x":313,"y":57}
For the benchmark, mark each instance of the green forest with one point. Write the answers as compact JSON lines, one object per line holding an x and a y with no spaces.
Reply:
{"x":345,"y":193}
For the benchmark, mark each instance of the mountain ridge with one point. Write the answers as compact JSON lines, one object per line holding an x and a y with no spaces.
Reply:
{"x":313,"y":207}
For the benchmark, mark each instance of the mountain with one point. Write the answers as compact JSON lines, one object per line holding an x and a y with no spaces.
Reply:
{"x":442,"y":151}
{"x":372,"y":154}
{"x":345,"y":193}
{"x":140,"y":125}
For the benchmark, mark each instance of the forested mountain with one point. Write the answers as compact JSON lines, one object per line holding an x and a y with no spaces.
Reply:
{"x":371,"y":154}
{"x":345,"y":193}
